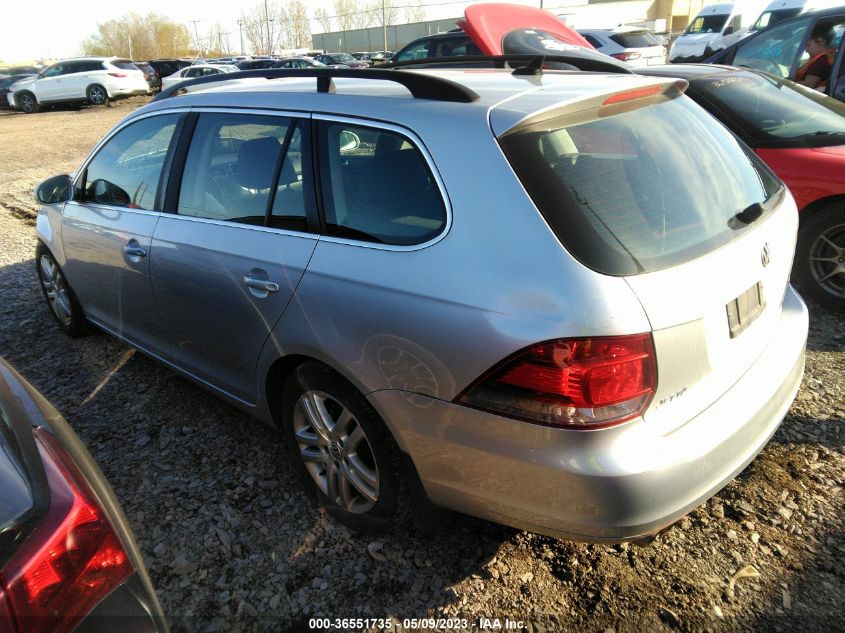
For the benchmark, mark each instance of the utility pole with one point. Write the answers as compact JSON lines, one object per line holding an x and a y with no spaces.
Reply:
{"x":129,"y":37}
{"x":272,"y":40}
{"x":241,"y":31}
{"x":267,"y":24}
{"x":196,"y":35}
{"x":384,"y":23}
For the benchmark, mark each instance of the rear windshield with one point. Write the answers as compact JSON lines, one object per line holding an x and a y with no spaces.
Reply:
{"x":772,"y":111}
{"x":641,"y":190}
{"x":124,"y":64}
{"x":639,"y":39}
{"x":708,"y":23}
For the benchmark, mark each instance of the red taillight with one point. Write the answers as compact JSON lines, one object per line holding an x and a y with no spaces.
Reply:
{"x":73,"y":558}
{"x":626,"y":57}
{"x":582,"y":383}
{"x":121,"y":75}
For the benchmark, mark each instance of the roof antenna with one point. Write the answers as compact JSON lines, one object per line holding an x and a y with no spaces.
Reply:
{"x":325,"y":84}
{"x":534,"y":67}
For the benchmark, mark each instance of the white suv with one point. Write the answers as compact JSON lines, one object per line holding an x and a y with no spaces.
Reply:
{"x":95,"y":80}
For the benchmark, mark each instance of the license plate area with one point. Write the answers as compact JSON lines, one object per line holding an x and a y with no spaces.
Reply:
{"x":745,"y":308}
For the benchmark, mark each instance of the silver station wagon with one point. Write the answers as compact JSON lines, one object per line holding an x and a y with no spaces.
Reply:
{"x":558,"y":300}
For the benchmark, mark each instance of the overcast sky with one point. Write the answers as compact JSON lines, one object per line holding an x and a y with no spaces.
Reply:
{"x":56,"y":28}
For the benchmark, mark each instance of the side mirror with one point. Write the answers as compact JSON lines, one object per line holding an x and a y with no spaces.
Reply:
{"x":55,"y":190}
{"x":349,"y":142}
{"x":728,"y":30}
{"x":105,"y":192}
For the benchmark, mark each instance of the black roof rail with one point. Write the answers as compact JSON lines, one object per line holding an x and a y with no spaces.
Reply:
{"x":586,"y":60}
{"x":421,"y":86}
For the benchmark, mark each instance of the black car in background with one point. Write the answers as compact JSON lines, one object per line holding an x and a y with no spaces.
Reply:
{"x":68,"y":560}
{"x":153,"y":80}
{"x":341,"y":60}
{"x":5,"y":83}
{"x":166,"y":67}
{"x":451,"y":44}
{"x":256,"y":64}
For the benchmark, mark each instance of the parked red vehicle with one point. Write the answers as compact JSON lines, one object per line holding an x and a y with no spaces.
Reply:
{"x":800,"y":134}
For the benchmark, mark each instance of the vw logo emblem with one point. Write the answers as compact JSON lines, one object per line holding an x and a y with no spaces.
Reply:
{"x":765,"y":255}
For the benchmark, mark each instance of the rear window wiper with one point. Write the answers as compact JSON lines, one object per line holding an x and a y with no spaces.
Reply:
{"x":745,"y":217}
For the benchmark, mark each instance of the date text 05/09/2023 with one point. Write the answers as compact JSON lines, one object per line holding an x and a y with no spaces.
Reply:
{"x":411,"y":624}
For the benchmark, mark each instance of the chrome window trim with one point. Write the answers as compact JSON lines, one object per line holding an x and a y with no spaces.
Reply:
{"x":417,"y":141}
{"x":100,"y":205}
{"x":241,"y":225}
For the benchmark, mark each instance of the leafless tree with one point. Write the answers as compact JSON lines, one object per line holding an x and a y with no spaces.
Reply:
{"x":294,"y":26}
{"x":414,"y":12}
{"x":322,"y":16}
{"x":385,"y":15}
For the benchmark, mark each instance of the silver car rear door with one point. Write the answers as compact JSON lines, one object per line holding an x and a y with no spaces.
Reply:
{"x":233,"y":250}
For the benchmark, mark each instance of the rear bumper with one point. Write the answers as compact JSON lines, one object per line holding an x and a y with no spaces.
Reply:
{"x":131,"y":90}
{"x":610,"y":485}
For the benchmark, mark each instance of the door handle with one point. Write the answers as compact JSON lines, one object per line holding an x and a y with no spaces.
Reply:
{"x":135,"y":251}
{"x":261,"y":284}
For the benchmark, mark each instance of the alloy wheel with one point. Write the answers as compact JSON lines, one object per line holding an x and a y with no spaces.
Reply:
{"x":27,"y":102}
{"x":56,"y":289}
{"x":336,"y":451}
{"x":97,"y":95}
{"x":827,"y":260}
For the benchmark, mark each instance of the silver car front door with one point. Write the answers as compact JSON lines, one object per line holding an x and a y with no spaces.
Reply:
{"x":230,"y":256}
{"x":107,"y":230}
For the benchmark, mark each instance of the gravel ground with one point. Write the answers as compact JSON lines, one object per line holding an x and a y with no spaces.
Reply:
{"x":232,"y":543}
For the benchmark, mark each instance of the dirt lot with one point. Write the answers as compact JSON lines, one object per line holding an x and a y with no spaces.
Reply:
{"x":232,"y":544}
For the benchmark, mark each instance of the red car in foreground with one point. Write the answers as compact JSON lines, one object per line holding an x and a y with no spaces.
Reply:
{"x":800,"y":134}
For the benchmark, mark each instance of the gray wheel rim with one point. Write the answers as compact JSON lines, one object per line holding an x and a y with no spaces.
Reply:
{"x":97,"y":95}
{"x":336,"y":451}
{"x":56,"y":289}
{"x":827,"y":260}
{"x":27,"y":103}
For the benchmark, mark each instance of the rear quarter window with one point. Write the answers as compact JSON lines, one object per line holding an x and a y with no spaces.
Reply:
{"x":641,"y":190}
{"x":377,"y":186}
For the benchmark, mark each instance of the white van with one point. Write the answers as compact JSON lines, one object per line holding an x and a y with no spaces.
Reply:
{"x":716,"y":26}
{"x":783,"y":9}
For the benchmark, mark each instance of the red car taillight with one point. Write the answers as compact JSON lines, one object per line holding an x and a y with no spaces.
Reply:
{"x":121,"y":75}
{"x":626,"y":57}
{"x":71,"y":560}
{"x":584,"y":383}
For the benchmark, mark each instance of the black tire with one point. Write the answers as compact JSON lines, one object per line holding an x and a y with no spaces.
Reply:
{"x":820,"y":256}
{"x":60,"y":298}
{"x":362,"y":450}
{"x":27,"y":103}
{"x":97,"y":95}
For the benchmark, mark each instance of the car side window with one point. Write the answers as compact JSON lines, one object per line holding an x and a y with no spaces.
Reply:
{"x":231,"y":168}
{"x":126,"y":171}
{"x":377,"y":186}
{"x":592,"y":40}
{"x":418,"y":51}
{"x":775,"y":50}
{"x":53,"y":71}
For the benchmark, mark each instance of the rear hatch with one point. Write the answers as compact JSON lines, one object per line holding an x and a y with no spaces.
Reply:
{"x":641,"y":47}
{"x":643,"y":184}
